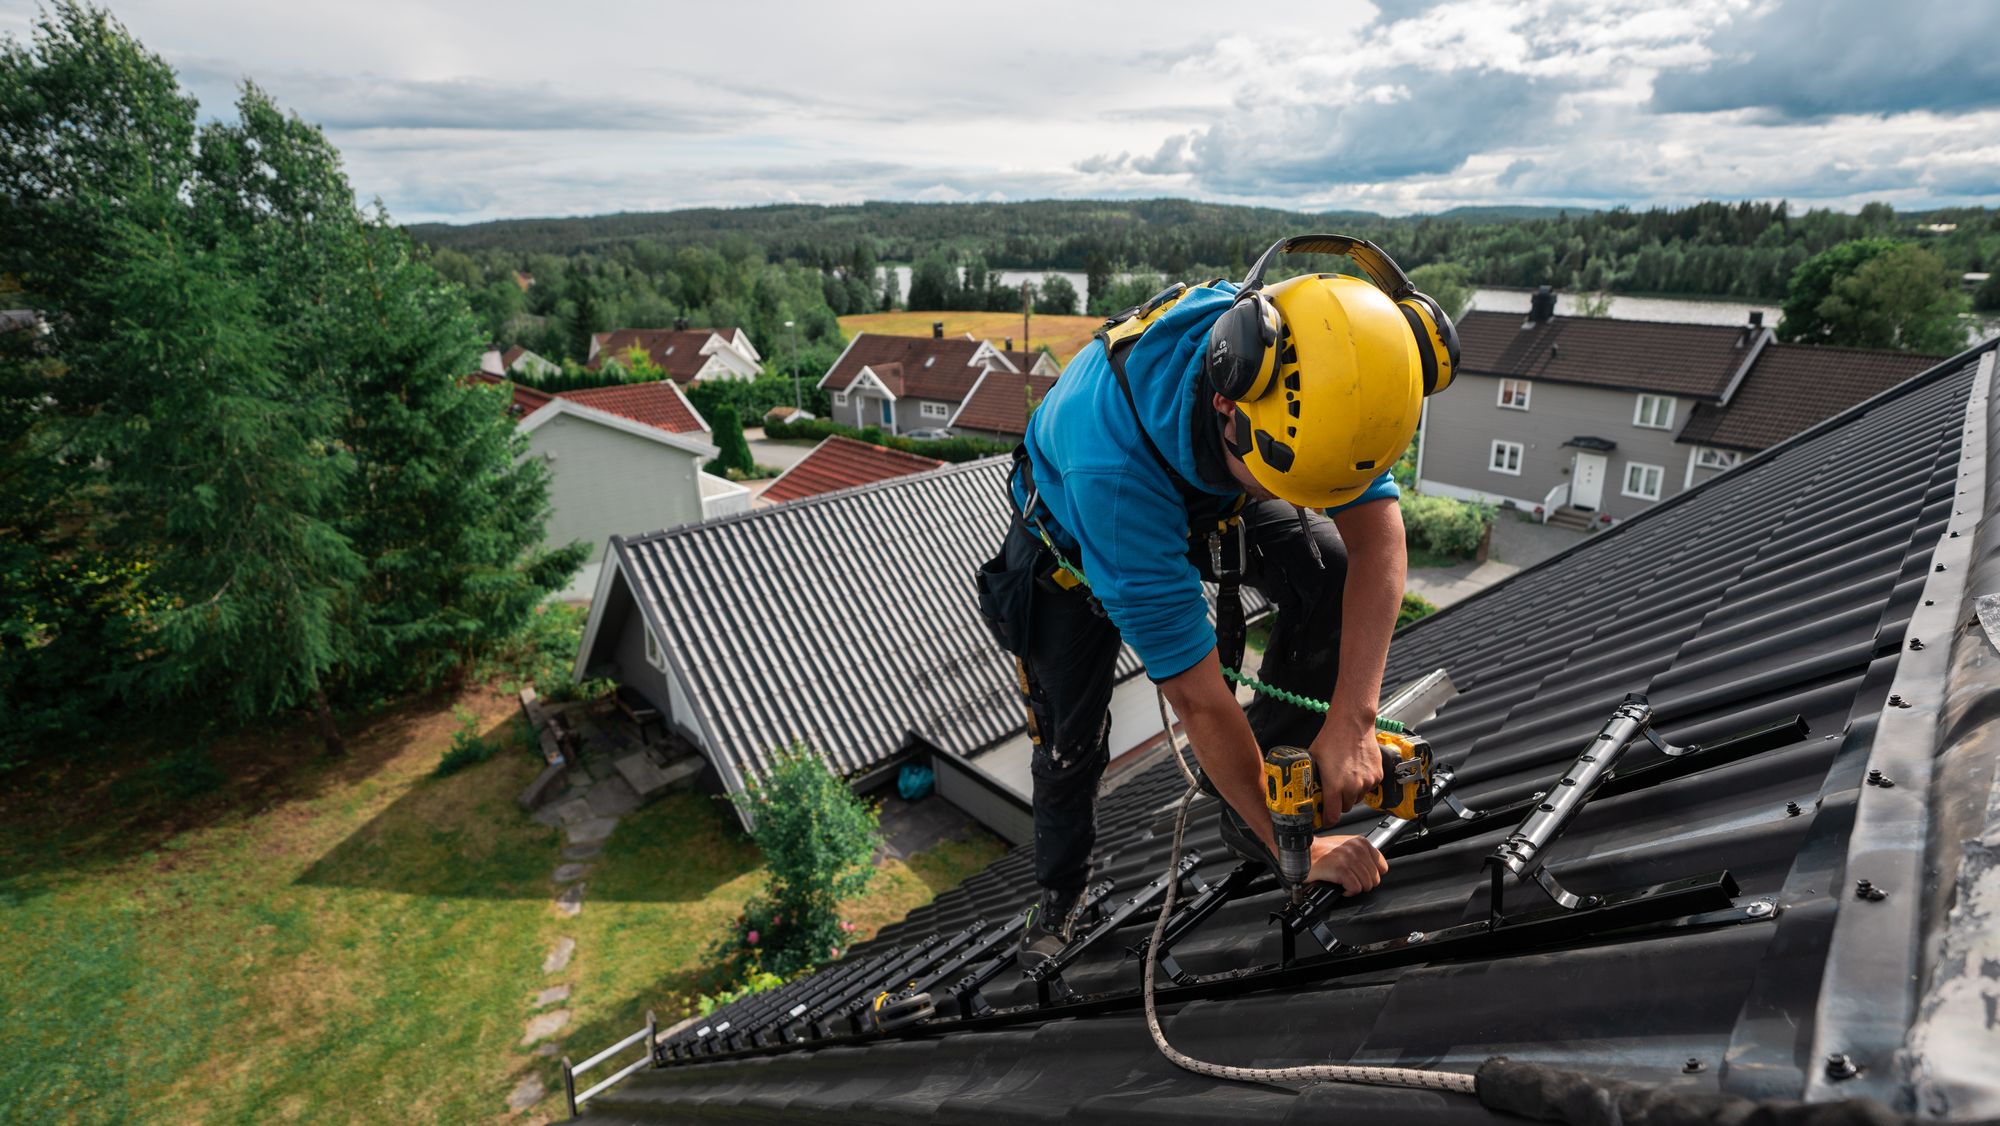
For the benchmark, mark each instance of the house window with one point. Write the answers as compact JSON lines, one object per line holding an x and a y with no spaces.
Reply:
{"x":655,"y":656}
{"x":1514,"y":393}
{"x":840,"y":398}
{"x":1708,"y":457}
{"x":1643,"y":481}
{"x":1506,"y":458}
{"x":937,"y":410}
{"x":1654,"y":412}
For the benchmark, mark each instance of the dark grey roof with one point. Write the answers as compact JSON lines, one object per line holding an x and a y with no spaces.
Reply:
{"x":845,"y":621}
{"x":1782,"y":588}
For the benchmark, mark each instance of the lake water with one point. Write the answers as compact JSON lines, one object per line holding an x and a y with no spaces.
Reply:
{"x":1676,"y":309}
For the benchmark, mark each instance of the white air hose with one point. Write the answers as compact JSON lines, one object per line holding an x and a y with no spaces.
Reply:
{"x":1324,"y":1073}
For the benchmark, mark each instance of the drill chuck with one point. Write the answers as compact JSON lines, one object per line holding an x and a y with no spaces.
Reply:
{"x":1291,"y":792}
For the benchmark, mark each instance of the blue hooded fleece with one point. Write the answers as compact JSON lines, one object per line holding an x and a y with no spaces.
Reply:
{"x":1105,"y":498}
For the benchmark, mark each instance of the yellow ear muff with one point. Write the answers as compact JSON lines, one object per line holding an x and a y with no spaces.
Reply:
{"x":1437,"y":340}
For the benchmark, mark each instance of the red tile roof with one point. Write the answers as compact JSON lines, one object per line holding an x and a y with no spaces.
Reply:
{"x":1794,"y":386}
{"x":658,"y":403}
{"x":676,"y":351}
{"x":931,"y":367}
{"x":1694,"y":361}
{"x":1001,"y":402}
{"x":842,"y":463}
{"x":507,"y":358}
{"x":527,"y":400}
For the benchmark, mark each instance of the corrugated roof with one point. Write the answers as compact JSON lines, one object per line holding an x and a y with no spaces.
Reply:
{"x":1696,"y":361}
{"x":1782,"y":588}
{"x":1791,"y":387}
{"x":1001,"y":402}
{"x":657,"y":403}
{"x":842,"y":463}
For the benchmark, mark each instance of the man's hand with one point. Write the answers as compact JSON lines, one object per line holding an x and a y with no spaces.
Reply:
{"x":1350,"y":862}
{"x":1348,"y":767}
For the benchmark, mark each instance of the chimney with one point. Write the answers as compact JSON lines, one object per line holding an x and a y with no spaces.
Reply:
{"x":1010,"y":344}
{"x":1542,"y":305}
{"x":1756,"y":319}
{"x":937,"y":330}
{"x":680,"y":324}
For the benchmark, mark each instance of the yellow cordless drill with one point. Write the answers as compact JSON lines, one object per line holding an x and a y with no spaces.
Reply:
{"x":1292,"y":793}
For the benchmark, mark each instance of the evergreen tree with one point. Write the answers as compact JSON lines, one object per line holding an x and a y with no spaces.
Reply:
{"x":252,"y":422}
{"x":734,"y":447}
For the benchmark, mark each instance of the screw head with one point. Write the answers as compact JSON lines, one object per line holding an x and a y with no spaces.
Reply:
{"x":1792,"y":809}
{"x":1840,"y":1065}
{"x":1916,"y":643}
{"x":1864,"y":889}
{"x":1691,"y":1066}
{"x":1896,"y":701}
{"x":1416,"y":936}
{"x":1760,"y":909}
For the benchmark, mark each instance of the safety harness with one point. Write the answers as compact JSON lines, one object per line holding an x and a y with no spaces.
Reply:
{"x":1118,"y":335}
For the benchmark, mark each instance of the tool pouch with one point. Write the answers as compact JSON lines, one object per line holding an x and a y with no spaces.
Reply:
{"x":1007,"y":588}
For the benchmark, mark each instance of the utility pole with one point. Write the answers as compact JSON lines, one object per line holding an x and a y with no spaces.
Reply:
{"x":1027,"y":306}
{"x":792,"y":338}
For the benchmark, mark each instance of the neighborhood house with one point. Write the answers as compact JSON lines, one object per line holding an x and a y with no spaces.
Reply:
{"x":687,"y":355}
{"x":1587,"y":419}
{"x":905,"y":383}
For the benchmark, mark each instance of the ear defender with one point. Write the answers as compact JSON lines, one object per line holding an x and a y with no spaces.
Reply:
{"x":1242,"y":356}
{"x":1437,"y":340}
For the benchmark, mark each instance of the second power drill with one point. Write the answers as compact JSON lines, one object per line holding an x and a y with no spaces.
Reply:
{"x":1292,"y":794}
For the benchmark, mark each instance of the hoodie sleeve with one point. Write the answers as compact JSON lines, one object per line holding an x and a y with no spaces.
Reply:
{"x":1135,"y":553}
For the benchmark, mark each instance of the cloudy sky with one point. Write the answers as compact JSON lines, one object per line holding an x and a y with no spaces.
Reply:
{"x":462,"y":111}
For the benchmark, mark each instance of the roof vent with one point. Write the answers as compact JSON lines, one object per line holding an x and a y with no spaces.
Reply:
{"x":929,"y":360}
{"x":937,"y":330}
{"x":1542,"y":305}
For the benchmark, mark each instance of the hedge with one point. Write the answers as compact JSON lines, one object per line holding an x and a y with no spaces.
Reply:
{"x":944,"y":449}
{"x":1446,"y":526}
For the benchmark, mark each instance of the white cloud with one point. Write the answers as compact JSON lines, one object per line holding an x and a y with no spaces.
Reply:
{"x":458,"y":110}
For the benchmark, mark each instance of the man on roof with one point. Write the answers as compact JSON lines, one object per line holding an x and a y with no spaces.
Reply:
{"x":1239,"y":435}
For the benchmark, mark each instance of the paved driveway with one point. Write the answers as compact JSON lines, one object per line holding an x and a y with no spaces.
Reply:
{"x":777,"y":455}
{"x":1517,"y":544}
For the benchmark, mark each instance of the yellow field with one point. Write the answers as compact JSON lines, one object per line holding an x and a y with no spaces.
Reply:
{"x":1065,"y":336}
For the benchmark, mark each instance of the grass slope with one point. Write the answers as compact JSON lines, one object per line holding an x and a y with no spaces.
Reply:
{"x":350,"y":941}
{"x":1065,"y":336}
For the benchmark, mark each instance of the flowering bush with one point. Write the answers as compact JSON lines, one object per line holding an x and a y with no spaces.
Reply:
{"x":817,"y":839}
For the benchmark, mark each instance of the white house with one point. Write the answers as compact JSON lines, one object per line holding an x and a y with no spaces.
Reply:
{"x":688,"y":355}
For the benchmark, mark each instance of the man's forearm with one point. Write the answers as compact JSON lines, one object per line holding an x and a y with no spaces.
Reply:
{"x":1222,"y":740}
{"x":1373,"y":596}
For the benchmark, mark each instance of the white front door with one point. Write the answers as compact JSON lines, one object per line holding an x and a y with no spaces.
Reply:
{"x":1587,"y":489}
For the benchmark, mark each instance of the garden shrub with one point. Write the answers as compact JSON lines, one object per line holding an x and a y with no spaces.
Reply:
{"x":468,"y":747}
{"x":1415,"y":607}
{"x":818,"y":840}
{"x":1446,"y":526}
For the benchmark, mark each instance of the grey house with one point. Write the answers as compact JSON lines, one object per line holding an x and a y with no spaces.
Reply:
{"x":903,"y":383}
{"x":1587,"y":420}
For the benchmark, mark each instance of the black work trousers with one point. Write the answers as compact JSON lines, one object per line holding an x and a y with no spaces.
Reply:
{"x":1073,"y":652}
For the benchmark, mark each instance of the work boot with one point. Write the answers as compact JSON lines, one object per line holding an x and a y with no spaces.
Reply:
{"x":1051,"y":924}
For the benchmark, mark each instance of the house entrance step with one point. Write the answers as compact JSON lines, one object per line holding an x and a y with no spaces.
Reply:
{"x":1575,"y":519}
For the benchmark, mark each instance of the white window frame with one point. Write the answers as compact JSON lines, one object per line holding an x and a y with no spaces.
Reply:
{"x":1708,"y":457}
{"x":655,"y":655}
{"x":1498,"y":464}
{"x":840,"y":398}
{"x":1639,"y":413}
{"x":1523,"y":390}
{"x":936,"y":410}
{"x":1659,"y":480}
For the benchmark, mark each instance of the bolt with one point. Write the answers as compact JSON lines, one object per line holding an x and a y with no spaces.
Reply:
{"x":1863,"y":889}
{"x":1954,"y":535}
{"x":1898,"y":702}
{"x":1930,"y":601}
{"x":1416,"y":936}
{"x":1792,"y":809}
{"x":1940,"y":568}
{"x":1916,"y":643}
{"x":1760,"y":909}
{"x":1840,"y":1065}
{"x":1547,"y":808}
{"x":1569,"y":782}
{"x":1691,"y":1066}
{"x":1877,"y":778}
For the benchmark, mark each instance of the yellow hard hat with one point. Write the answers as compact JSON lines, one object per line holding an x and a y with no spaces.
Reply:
{"x":1328,"y":372}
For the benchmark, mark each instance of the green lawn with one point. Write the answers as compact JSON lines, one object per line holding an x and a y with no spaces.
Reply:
{"x":352,"y":941}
